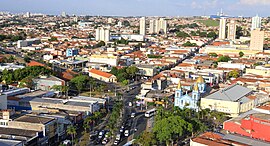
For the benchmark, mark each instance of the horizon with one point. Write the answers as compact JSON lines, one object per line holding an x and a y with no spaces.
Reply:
{"x":160,"y":8}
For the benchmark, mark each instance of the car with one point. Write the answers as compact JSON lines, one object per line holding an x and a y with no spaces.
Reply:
{"x":118,"y":136}
{"x":126,"y":133}
{"x":107,"y":134}
{"x":100,"y":134}
{"x":93,"y":134}
{"x":116,"y":142}
{"x":105,"y":141}
{"x":130,"y":104}
{"x":133,"y":115}
{"x":121,"y":130}
{"x":67,"y":142}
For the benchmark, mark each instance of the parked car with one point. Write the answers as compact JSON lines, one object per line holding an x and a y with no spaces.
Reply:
{"x":101,"y":134}
{"x":133,"y":115}
{"x":118,"y":137}
{"x":116,"y":142}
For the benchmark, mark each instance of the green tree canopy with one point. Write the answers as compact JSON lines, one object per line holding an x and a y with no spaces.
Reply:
{"x":241,"y":54}
{"x":224,"y":59}
{"x":80,"y":82}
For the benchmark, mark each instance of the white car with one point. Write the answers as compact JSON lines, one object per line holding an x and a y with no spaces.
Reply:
{"x":126,"y":133}
{"x":130,"y":104}
{"x":132,"y":115}
{"x":118,"y":137}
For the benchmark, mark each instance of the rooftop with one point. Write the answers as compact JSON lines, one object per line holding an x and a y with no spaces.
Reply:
{"x":34,"y":119}
{"x":9,"y":142}
{"x":232,"y":93}
{"x":101,"y":73}
{"x":245,"y":140}
{"x":17,"y":132}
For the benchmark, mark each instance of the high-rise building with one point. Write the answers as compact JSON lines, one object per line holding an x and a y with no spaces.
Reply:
{"x":63,"y":14}
{"x":28,"y":15}
{"x":163,"y":25}
{"x":231,"y":30}
{"x":102,"y":34}
{"x":157,"y":26}
{"x":256,"y":22}
{"x":152,"y":26}
{"x":222,"y":28}
{"x":142,"y":26}
{"x":257,"y":39}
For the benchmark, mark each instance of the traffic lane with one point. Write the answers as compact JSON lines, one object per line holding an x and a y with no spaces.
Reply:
{"x":140,"y":125}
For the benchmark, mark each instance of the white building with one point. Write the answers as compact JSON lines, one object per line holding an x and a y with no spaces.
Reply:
{"x":142,"y":26}
{"x":256,"y":22}
{"x":156,"y":26}
{"x":102,"y":34}
{"x":231,"y":30}
{"x":222,"y":28}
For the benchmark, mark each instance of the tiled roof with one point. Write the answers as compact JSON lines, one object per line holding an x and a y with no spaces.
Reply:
{"x":34,"y":63}
{"x":100,"y":73}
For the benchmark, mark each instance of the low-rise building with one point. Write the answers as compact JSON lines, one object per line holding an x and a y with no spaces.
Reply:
{"x":103,"y":76}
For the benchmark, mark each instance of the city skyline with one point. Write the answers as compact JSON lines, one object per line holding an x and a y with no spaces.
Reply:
{"x":139,"y":7}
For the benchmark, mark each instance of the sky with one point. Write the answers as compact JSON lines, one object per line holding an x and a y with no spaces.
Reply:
{"x":139,"y":7}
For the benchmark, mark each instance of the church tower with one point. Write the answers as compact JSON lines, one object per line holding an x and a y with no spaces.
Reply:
{"x":178,"y":94}
{"x":201,"y":84}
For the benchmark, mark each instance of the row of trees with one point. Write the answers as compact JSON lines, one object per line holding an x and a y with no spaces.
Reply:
{"x":125,"y":73}
{"x":153,"y":56}
{"x":171,"y":126}
{"x":114,"y":117}
{"x":13,"y":38}
{"x":10,"y":76}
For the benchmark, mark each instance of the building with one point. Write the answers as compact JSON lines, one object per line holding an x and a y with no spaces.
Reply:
{"x":102,"y":34}
{"x":72,"y":52}
{"x":103,"y":76}
{"x":222,"y":29}
{"x":158,"y":26}
{"x":256,"y":22}
{"x":47,"y":126}
{"x":190,"y":101}
{"x":142,"y":26}
{"x":231,"y":30}
{"x":257,"y":40}
{"x":46,"y":83}
{"x":254,"y":126}
{"x":232,"y":100}
{"x":147,"y":70}
{"x":27,"y":42}
{"x":56,"y":105}
{"x":105,"y":59}
{"x":63,"y":14}
{"x":3,"y":102}
{"x":152,"y":26}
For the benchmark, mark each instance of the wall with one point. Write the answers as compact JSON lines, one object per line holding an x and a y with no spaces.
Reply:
{"x":3,"y":102}
{"x":229,"y":107}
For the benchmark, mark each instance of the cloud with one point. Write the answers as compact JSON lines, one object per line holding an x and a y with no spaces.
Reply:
{"x":199,"y":4}
{"x":255,"y":2}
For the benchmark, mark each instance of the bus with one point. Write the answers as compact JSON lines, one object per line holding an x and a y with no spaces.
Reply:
{"x":150,"y":113}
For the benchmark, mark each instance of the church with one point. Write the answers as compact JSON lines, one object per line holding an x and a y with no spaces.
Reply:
{"x":191,"y":100}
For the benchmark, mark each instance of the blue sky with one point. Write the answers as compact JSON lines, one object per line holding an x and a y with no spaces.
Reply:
{"x":139,"y":7}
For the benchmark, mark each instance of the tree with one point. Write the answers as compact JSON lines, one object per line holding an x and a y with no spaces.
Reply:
{"x":224,"y":59}
{"x":27,"y":59}
{"x":100,"y":44}
{"x":146,"y":139}
{"x":53,"y":39}
{"x":132,"y":70}
{"x":233,"y":74}
{"x":86,"y":123}
{"x":80,"y":82}
{"x":189,"y":44}
{"x":213,"y":54}
{"x":212,"y":34}
{"x":241,"y":54}
{"x":27,"y":82}
{"x":71,"y":130}
{"x":181,"y":34}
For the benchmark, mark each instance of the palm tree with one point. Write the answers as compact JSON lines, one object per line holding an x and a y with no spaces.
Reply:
{"x":86,"y":123}
{"x":71,"y":130}
{"x":97,"y":115}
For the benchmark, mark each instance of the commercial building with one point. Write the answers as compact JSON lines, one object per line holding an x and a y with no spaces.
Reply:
{"x":147,"y":70}
{"x":142,"y":26}
{"x":233,"y":100}
{"x":27,"y":42}
{"x":254,"y":126}
{"x":257,"y":40}
{"x":222,"y":29}
{"x":72,"y":52}
{"x":256,"y":22}
{"x":76,"y":105}
{"x":231,"y":30}
{"x":102,"y":34}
